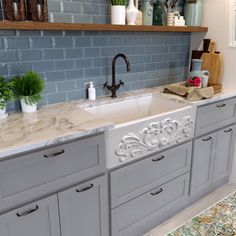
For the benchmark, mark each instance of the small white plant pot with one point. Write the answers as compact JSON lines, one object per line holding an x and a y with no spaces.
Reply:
{"x":2,"y":111}
{"x":28,"y":108}
{"x":118,"y":15}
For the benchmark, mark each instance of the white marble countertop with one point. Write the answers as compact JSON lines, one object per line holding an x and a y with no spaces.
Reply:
{"x":66,"y":121}
{"x":49,"y":125}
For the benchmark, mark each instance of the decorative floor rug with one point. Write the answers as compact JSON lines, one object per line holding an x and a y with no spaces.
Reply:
{"x":219,"y":220}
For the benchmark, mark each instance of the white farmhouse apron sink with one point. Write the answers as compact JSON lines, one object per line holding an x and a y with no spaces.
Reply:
{"x":143,"y":126}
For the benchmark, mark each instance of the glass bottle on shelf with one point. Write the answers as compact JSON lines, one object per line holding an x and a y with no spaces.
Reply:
{"x":147,"y":9}
{"x":158,"y":13}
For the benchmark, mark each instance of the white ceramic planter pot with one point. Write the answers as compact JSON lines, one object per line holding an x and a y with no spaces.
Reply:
{"x":27,"y":108}
{"x":131,"y":13}
{"x":118,"y":15}
{"x":2,"y":111}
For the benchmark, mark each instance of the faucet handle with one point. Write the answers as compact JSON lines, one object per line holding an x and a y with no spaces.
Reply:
{"x":122,"y":83}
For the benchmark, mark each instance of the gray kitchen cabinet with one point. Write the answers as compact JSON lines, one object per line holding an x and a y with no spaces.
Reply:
{"x":40,"y":218}
{"x":212,"y":158}
{"x":29,"y":176}
{"x":84,"y":209}
{"x":215,"y":115}
{"x":145,"y":212}
{"x":202,"y":163}
{"x":225,"y":140}
{"x":131,"y":181}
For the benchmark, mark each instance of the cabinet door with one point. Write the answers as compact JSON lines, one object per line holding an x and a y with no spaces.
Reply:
{"x":202,"y":163}
{"x":65,"y":164}
{"x":37,"y":219}
{"x":84,"y":209}
{"x":225,"y":140}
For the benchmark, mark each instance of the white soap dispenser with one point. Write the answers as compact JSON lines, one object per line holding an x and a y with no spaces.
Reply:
{"x":91,"y":91}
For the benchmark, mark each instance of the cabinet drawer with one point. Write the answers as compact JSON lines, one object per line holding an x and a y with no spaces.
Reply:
{"x":215,"y":116}
{"x":139,"y":177}
{"x":40,"y":218}
{"x":148,"y":210}
{"x":30,"y":176}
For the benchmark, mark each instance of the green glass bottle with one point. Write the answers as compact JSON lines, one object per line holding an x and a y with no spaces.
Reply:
{"x":158,"y":13}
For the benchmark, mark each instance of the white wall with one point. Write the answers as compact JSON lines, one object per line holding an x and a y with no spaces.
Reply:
{"x":216,"y":17}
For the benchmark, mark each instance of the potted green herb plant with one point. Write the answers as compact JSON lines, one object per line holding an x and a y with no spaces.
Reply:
{"x":28,"y":89}
{"x":6,"y":94}
{"x":118,"y":12}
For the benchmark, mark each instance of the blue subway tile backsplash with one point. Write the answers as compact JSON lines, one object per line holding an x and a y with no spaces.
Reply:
{"x":67,"y":60}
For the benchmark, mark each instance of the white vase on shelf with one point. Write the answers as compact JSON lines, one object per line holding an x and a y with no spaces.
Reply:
{"x":131,"y":13}
{"x":139,"y":19}
{"x":118,"y":15}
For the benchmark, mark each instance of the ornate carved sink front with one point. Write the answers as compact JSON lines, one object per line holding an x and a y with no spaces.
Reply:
{"x":144,"y":125}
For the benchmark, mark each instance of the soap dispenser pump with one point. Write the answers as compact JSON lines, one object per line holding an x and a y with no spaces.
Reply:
{"x":91,"y":91}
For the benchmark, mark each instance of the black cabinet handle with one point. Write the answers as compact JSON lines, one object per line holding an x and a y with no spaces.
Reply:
{"x":207,"y":139}
{"x":84,"y":189}
{"x":157,"y":192}
{"x":55,"y":154}
{"x":27,"y":212}
{"x":158,"y":159}
{"x":221,"y":105}
{"x":228,"y":131}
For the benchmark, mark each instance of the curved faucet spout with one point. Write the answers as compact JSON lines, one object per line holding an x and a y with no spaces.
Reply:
{"x":114,"y":87}
{"x":126,"y":61}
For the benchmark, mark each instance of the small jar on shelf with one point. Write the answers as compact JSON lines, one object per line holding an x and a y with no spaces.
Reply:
{"x":14,"y":10}
{"x":37,"y":10}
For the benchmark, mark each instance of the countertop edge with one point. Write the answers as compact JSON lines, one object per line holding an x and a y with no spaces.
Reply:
{"x":46,"y":143}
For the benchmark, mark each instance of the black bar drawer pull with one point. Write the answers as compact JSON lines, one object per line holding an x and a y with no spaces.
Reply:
{"x":55,"y":154}
{"x":221,"y":105}
{"x":27,"y":212}
{"x":207,"y":139}
{"x":84,"y":189}
{"x":228,"y":131}
{"x":157,"y":192}
{"x":158,"y":159}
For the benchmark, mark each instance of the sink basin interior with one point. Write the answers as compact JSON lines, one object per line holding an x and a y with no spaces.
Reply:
{"x":133,"y":109}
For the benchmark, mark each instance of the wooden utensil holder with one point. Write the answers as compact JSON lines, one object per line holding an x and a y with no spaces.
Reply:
{"x":37,"y":10}
{"x":14,"y":10}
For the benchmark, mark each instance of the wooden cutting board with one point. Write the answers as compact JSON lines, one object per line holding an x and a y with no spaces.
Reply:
{"x":213,"y":62}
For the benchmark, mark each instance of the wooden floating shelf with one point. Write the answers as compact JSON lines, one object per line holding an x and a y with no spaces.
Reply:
{"x":26,"y":25}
